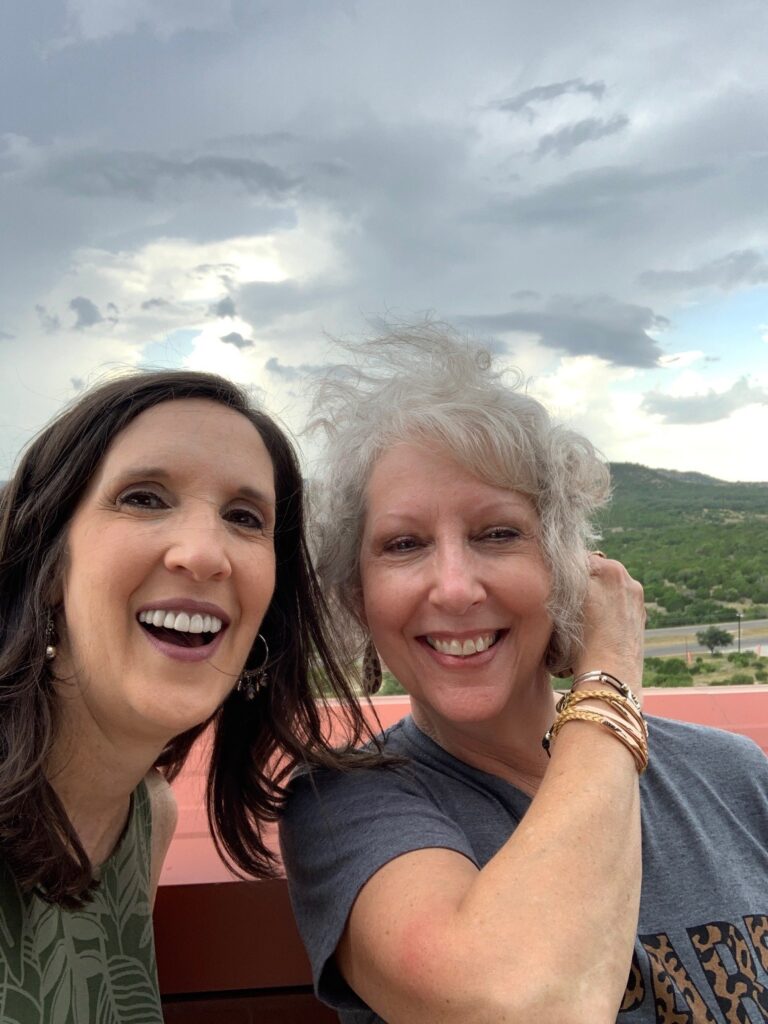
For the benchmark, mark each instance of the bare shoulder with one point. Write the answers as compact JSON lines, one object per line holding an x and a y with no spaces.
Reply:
{"x":164,"y":818}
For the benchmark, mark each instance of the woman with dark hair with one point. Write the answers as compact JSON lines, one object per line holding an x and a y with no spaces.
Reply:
{"x":533,"y":858}
{"x":154,"y":579}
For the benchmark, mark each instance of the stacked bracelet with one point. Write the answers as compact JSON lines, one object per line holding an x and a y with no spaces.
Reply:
{"x":623,"y":718}
{"x":598,"y":676}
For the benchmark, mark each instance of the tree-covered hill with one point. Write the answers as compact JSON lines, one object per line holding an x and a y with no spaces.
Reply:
{"x":698,"y":545}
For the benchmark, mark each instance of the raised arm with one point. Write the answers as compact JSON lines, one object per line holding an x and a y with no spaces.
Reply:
{"x":544,"y":932}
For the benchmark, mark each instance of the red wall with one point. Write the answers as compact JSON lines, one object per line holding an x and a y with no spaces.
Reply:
{"x":237,"y":940}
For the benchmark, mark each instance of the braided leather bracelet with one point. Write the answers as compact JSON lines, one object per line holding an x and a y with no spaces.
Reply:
{"x":623,"y":718}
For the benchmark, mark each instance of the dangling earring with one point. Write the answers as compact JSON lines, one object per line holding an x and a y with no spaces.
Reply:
{"x":254,"y":679}
{"x":371,"y":669}
{"x":50,"y":639}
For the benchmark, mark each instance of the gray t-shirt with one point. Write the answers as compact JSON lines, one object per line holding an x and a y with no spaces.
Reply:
{"x":701,"y":953}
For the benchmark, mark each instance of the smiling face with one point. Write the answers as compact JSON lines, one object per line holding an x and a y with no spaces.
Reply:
{"x":454,"y":586}
{"x":170,"y":567}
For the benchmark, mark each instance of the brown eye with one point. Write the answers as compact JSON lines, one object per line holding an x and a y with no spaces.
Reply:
{"x":401,"y":544}
{"x":246,"y":518}
{"x":501,"y":533}
{"x":142,"y":499}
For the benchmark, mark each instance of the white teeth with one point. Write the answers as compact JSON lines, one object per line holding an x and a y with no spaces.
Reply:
{"x":462,"y":649}
{"x":181,"y":621}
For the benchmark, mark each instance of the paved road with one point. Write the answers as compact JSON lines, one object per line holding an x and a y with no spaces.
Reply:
{"x":753,"y":634}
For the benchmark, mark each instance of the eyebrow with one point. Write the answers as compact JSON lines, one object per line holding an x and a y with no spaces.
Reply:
{"x":158,"y":473}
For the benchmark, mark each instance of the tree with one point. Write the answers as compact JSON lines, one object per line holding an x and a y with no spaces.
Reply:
{"x":713,"y":637}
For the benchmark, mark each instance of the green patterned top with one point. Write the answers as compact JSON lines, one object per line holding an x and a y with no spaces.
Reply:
{"x":90,"y":966}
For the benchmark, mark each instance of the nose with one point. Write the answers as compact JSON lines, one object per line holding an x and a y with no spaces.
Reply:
{"x":457,"y":585}
{"x":199,"y":547}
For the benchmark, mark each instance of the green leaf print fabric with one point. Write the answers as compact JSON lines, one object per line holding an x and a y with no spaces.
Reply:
{"x":90,"y":966}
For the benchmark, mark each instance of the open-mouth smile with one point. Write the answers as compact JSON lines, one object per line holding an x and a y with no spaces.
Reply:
{"x":181,"y":628}
{"x":464,"y":647}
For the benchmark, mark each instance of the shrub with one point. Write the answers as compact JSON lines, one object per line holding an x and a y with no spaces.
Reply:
{"x":737,"y":679}
{"x":674,"y":667}
{"x":685,"y":680}
{"x":742,"y":678}
{"x":742,"y":658}
{"x":761,"y":675}
{"x":654,"y":663}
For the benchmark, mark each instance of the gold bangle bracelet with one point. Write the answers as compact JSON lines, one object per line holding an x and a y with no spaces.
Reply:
{"x":622,"y":705}
{"x":636,"y":745}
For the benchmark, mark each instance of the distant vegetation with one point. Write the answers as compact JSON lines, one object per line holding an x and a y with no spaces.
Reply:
{"x":698,"y":545}
{"x":734,"y":669}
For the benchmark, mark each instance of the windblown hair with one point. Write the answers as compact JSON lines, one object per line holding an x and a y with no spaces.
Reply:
{"x":426,"y":384}
{"x":255,"y":744}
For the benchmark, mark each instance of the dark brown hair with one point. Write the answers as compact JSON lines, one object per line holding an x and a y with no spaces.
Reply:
{"x":255,"y":743}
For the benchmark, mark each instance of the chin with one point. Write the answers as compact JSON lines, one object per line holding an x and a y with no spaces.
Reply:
{"x":470,"y":705}
{"x":167,"y":722}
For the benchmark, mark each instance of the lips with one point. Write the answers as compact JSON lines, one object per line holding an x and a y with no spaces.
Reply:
{"x":453,"y":650}
{"x":463,"y":647}
{"x":184,"y":629}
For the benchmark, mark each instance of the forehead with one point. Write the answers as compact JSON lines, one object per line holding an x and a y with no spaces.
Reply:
{"x":188,"y":435}
{"x":410,"y":478}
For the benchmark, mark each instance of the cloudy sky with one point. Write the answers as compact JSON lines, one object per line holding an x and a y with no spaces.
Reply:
{"x":222,"y":184}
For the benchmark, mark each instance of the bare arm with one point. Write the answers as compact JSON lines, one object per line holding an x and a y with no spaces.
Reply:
{"x":164,"y":818}
{"x":544,"y":932}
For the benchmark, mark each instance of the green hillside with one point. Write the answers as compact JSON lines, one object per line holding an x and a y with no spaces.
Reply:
{"x":698,"y":545}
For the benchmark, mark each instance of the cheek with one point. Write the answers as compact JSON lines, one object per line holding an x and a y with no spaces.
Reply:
{"x":261,"y":579}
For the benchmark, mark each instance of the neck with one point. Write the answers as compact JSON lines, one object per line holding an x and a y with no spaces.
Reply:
{"x":93,"y":777}
{"x":508,"y":746}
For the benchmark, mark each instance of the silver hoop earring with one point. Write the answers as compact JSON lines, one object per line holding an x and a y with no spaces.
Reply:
{"x":254,"y":679}
{"x":50,"y":639}
{"x":371,"y":669}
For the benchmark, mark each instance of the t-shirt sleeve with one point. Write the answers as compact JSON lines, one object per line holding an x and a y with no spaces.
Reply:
{"x":336,"y":832}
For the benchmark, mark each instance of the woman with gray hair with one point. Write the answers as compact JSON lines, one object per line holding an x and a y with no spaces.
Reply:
{"x":514,"y":861}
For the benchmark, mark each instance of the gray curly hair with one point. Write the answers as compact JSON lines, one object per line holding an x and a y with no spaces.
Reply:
{"x":427,"y":383}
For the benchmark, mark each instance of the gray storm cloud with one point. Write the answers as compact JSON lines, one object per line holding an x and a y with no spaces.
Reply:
{"x":525,"y":101}
{"x":599,"y":326}
{"x":87,"y":312}
{"x":563,"y":141}
{"x":224,"y":307}
{"x":141,"y":175}
{"x":705,"y":408}
{"x":482,"y":171}
{"x":236,"y":339}
{"x":745,"y":267}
